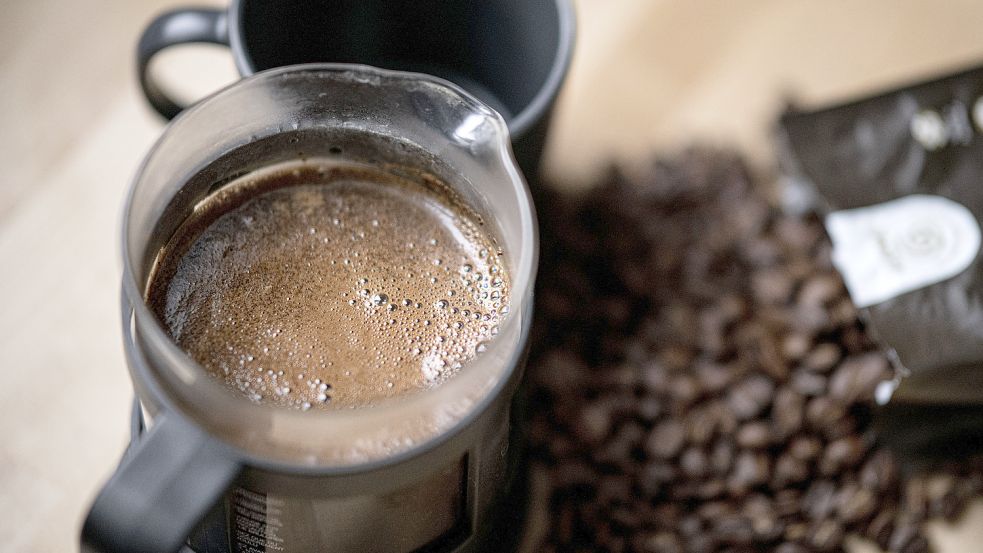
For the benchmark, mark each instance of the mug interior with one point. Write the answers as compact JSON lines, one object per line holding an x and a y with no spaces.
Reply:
{"x":505,"y":52}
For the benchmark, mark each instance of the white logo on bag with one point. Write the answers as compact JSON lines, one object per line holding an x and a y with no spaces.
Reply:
{"x":895,"y":247}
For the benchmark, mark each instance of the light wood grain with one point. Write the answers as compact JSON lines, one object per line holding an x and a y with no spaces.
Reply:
{"x":658,"y":74}
{"x":648,"y":75}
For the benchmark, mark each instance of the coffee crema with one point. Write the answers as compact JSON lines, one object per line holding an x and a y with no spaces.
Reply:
{"x":319,"y":284}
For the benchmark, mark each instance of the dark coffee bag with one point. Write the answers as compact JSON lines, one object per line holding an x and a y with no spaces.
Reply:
{"x":899,"y":179}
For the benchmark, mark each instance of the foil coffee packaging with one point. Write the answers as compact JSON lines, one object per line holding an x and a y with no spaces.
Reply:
{"x":898,"y":178}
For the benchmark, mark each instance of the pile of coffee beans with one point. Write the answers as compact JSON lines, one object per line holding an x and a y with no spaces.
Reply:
{"x":700,"y":380}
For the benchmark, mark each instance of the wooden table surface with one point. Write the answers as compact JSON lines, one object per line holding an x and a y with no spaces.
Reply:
{"x":648,"y":75}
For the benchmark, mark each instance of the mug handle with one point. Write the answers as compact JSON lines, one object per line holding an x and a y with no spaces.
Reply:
{"x":171,"y":28}
{"x":161,"y":491}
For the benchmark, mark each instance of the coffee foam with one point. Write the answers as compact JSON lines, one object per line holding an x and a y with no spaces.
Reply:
{"x":318,"y":284}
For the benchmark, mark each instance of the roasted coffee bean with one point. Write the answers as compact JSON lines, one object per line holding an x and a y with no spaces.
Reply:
{"x":750,"y":470}
{"x":660,"y":542}
{"x":614,"y":489}
{"x":561,"y":447}
{"x":789,"y":470}
{"x":732,"y":306}
{"x":655,"y":477}
{"x":684,"y":389}
{"x":826,"y":536}
{"x":858,"y":376}
{"x":821,"y":412}
{"x":685,"y":491}
{"x":701,"y":423}
{"x":565,"y":523}
{"x":754,"y":435}
{"x":700,"y":380}
{"x":787,"y":412}
{"x":808,"y":384}
{"x":853,"y":339}
{"x":841,"y":427}
{"x":764,"y":352}
{"x":950,"y":508}
{"x":767,"y":528}
{"x":709,"y":511}
{"x":796,"y":531}
{"x":820,"y":499}
{"x":667,"y":513}
{"x":907,"y":538}
{"x":655,"y":377}
{"x":879,"y":472}
{"x":727,"y":422}
{"x":881,"y":527}
{"x":713,"y":377}
{"x":666,"y":439}
{"x":694,"y":463}
{"x":943,"y":501}
{"x":805,"y":447}
{"x":796,"y":345}
{"x":620,"y":378}
{"x":649,"y":409}
{"x":625,"y":519}
{"x":757,"y":504}
{"x":797,"y":235}
{"x":617,"y":451}
{"x":711,"y":334}
{"x":680,"y":321}
{"x":636,"y":354}
{"x":678,"y":358}
{"x":771,"y":286}
{"x":594,"y":424}
{"x":721,"y":457}
{"x":765,"y":523}
{"x":690,"y":525}
{"x":915,"y":501}
{"x":787,"y":502}
{"x":750,"y":397}
{"x":822,"y":358}
{"x":810,"y":318}
{"x":761,"y":250}
{"x":844,"y":313}
{"x":820,"y":289}
{"x":790,"y":547}
{"x":854,"y":503}
{"x":701,"y":543}
{"x":841,"y":453}
{"x":733,"y":529}
{"x":712,"y":488}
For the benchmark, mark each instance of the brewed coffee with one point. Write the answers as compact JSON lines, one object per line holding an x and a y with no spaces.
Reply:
{"x":319,"y":284}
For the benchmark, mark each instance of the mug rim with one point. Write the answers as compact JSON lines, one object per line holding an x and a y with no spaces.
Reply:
{"x":518,"y":125}
{"x":135,"y":307}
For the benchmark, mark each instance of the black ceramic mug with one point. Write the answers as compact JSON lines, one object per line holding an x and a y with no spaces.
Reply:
{"x":511,"y":54}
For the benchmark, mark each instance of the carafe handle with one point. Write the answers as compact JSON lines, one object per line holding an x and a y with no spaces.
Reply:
{"x":160,"y":492}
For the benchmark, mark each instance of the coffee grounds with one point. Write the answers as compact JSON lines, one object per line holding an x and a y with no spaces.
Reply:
{"x":701,"y":382}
